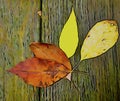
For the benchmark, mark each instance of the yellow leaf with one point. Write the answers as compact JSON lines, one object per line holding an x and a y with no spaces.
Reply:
{"x":69,"y":36}
{"x":100,"y":38}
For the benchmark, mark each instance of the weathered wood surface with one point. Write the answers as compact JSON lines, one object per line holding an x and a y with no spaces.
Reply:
{"x":19,"y":25}
{"x":102,"y":83}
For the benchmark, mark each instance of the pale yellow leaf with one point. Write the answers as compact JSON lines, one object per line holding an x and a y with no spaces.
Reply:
{"x":69,"y":36}
{"x":100,"y":38}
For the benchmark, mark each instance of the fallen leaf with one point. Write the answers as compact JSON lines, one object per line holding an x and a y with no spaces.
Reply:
{"x":50,"y":52}
{"x":40,"y":72}
{"x":68,"y":41}
{"x":49,"y":65}
{"x":100,"y":38}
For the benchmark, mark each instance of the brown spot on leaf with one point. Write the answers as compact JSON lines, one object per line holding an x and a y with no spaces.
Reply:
{"x":103,"y":39}
{"x":88,"y":36}
{"x":104,"y":49}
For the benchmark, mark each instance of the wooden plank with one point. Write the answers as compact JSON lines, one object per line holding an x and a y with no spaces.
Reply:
{"x":102,"y":83}
{"x":54,"y":15}
{"x":19,"y":25}
{"x":104,"y":70}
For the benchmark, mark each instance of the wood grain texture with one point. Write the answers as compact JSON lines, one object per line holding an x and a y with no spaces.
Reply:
{"x":102,"y":81}
{"x":19,"y":25}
